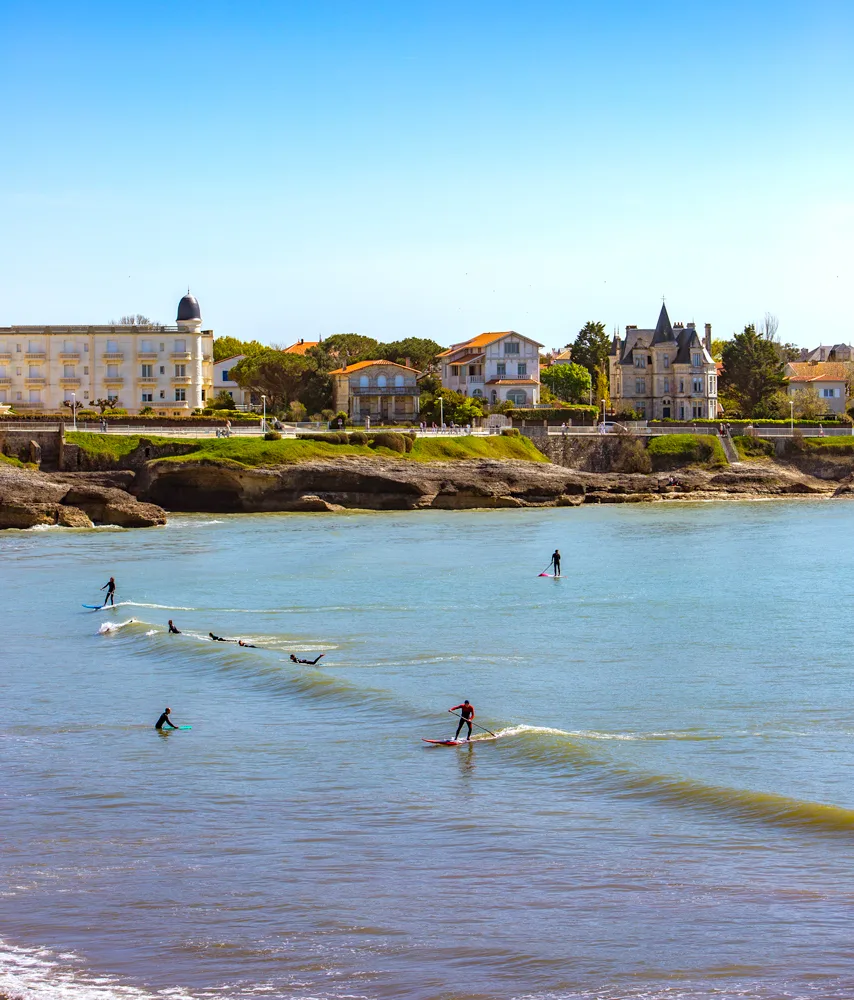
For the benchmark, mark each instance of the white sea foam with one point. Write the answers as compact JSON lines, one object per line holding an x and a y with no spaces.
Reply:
{"x":107,"y":627}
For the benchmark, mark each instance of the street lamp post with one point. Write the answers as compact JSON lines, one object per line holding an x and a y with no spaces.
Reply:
{"x":441,"y":414}
{"x":792,"y":415}
{"x":264,"y":418}
{"x":603,"y":411}
{"x":74,"y":409}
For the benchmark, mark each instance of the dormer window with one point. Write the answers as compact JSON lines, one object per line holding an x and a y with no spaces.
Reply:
{"x":666,"y":360}
{"x":696,"y":359}
{"x":640,"y":361}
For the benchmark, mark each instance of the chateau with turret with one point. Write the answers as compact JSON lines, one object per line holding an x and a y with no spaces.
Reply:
{"x":664,"y":373}
{"x":166,"y":368}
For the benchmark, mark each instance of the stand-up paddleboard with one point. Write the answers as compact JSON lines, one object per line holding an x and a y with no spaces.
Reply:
{"x":458,"y":743}
{"x":97,"y":607}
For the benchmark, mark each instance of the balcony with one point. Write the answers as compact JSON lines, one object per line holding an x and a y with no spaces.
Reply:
{"x":181,"y":379}
{"x":181,"y":356}
{"x":5,"y":381}
{"x":113,"y":356}
{"x":475,"y":379}
{"x":113,"y":380}
{"x":71,"y":380}
{"x":33,"y":382}
{"x":146,"y":355}
{"x":35,"y":356}
{"x":5,"y":357}
{"x":69,"y":356}
{"x":151,"y":379}
{"x":385,"y":390}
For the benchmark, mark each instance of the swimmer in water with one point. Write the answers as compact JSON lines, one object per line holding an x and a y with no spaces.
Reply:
{"x":247,"y":645}
{"x":310,"y":662}
{"x":164,"y":720}
{"x":172,"y":629}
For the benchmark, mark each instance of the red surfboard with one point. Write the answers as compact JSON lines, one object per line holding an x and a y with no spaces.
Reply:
{"x":446,"y":743}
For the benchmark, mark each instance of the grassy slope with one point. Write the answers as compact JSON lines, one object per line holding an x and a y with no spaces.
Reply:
{"x":257,"y":452}
{"x":752,"y":448}
{"x":686,"y":449}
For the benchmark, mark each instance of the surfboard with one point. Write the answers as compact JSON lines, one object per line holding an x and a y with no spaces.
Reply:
{"x":551,"y":576}
{"x":185,"y":727}
{"x":446,"y":743}
{"x":96,"y":607}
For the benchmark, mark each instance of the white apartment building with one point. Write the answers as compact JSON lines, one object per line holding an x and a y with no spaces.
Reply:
{"x":167,"y":368}
{"x":498,"y":367}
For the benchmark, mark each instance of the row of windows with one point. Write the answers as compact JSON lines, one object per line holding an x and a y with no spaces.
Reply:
{"x":696,"y":385}
{"x":35,"y":396}
{"x":641,"y":360}
{"x":71,"y":346}
{"x":381,"y":381}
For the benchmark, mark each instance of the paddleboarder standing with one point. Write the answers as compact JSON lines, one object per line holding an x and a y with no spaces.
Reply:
{"x":466,"y":717}
{"x":110,"y":587}
{"x":556,"y":561}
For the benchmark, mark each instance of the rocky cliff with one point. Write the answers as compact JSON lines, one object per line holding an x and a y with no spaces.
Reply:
{"x":387,"y":484}
{"x":29,"y":498}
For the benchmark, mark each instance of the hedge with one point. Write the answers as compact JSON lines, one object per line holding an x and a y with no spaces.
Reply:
{"x":672,"y":451}
{"x":561,"y":414}
{"x":390,"y":440}
{"x":91,"y":416}
{"x":839,"y":418}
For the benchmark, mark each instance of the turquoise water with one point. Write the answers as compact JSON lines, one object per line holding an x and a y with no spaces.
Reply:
{"x":668,"y":812}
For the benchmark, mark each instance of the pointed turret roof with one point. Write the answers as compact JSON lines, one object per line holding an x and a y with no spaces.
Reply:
{"x":663,"y":328}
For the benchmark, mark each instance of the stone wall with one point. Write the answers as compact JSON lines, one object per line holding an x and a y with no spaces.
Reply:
{"x":35,"y":444}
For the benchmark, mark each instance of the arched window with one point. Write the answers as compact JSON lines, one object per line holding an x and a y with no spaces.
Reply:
{"x":363,"y":381}
{"x":477,"y":392}
{"x":398,"y":380}
{"x":494,"y":396}
{"x":518,"y":397}
{"x":381,"y":381}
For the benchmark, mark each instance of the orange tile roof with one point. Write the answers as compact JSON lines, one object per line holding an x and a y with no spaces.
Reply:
{"x":820,"y":371}
{"x":367,"y":364}
{"x":301,"y":346}
{"x":482,"y":339}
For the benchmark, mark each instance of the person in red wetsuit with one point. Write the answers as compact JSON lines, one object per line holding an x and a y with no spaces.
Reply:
{"x":467,"y":714}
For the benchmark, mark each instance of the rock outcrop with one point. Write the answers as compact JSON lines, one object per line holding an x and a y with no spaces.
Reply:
{"x":29,"y":498}
{"x":388,"y":484}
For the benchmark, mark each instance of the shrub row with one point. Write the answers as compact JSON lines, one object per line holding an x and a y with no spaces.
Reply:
{"x":401,"y":443}
{"x":561,"y":414}
{"x":837,"y":418}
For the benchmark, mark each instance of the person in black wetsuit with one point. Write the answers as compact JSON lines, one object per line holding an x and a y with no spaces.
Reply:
{"x":556,"y":561}
{"x":164,"y":720}
{"x":110,"y":587}
{"x":310,"y":662}
{"x":466,"y":716}
{"x":246,"y":645}
{"x":219,"y":638}
{"x":172,"y":629}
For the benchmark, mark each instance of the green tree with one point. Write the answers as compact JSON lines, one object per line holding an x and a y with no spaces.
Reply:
{"x":752,"y":372}
{"x":591,"y":347}
{"x":603,"y":388}
{"x":341,"y":349}
{"x":278,"y":376}
{"x":571,"y":382}
{"x":221,"y":401}
{"x":808,"y":404}
{"x":717,"y":348}
{"x":455,"y":407}
{"x":420,"y":351}
{"x":228,"y":347}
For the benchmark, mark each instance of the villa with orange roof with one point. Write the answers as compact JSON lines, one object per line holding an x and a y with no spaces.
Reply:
{"x":828,"y":379}
{"x":498,"y":367}
{"x":381,"y":391}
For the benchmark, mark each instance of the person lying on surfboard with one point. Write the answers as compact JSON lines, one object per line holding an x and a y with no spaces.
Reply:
{"x":219,"y":638}
{"x":466,"y":717}
{"x":164,"y":720}
{"x":310,"y":662}
{"x":248,"y":645}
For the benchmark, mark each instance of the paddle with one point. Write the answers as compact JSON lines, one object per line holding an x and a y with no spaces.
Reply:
{"x":474,"y":724}
{"x":544,"y":573}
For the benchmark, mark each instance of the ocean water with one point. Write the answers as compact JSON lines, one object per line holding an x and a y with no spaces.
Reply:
{"x":667,"y":814}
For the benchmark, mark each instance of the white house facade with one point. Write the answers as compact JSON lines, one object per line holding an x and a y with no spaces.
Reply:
{"x":665,"y":373}
{"x":497,"y":367}
{"x":167,"y":368}
{"x":222,"y":382}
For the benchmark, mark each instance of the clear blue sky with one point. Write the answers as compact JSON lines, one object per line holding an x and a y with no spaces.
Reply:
{"x":429,"y":169}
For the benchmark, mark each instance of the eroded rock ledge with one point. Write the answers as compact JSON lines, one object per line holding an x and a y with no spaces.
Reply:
{"x":382,"y":484}
{"x":29,"y":498}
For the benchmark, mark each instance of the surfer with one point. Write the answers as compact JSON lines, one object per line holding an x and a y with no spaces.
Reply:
{"x":110,"y":587}
{"x":556,"y":561}
{"x":164,"y":720}
{"x":219,"y":638}
{"x":310,"y":662}
{"x":248,"y":645}
{"x":172,"y":629}
{"x":466,"y":717}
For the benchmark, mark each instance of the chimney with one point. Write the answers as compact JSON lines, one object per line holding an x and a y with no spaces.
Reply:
{"x":708,"y":337}
{"x":633,"y":327}
{"x":407,"y":362}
